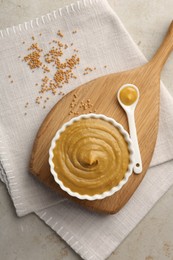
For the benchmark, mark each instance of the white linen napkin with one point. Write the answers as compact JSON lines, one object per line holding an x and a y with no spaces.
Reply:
{"x":102,"y":41}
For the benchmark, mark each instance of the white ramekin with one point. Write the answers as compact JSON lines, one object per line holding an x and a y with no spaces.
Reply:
{"x":106,"y":193}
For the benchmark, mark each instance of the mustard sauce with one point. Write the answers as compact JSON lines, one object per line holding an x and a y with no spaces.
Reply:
{"x":91,"y":156}
{"x":128,"y":95}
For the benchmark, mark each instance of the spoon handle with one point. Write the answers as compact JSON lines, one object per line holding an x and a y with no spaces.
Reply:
{"x":133,"y":135}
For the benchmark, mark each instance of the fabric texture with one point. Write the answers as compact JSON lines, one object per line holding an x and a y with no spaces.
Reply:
{"x":102,"y":41}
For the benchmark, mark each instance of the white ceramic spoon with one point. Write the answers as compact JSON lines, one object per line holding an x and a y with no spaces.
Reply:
{"x":130,"y":110}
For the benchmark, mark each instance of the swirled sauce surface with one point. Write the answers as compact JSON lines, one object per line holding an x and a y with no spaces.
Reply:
{"x":91,"y":156}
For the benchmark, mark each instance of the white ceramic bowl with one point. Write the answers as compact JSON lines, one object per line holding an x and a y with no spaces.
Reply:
{"x":106,"y":193}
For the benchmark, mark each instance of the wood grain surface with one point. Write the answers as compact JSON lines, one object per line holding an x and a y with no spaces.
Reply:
{"x":102,"y":93}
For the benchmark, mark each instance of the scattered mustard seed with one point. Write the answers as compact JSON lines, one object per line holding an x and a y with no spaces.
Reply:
{"x":59,"y":33}
{"x":63,"y":69}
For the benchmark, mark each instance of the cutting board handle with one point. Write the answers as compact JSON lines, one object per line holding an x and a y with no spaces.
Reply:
{"x":163,"y":52}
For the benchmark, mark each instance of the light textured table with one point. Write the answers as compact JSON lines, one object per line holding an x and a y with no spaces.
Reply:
{"x":28,"y":238}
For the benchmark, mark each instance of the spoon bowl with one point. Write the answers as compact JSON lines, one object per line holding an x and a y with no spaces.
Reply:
{"x":128,"y":107}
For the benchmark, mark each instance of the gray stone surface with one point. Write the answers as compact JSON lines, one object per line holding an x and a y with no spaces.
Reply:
{"x":28,"y":238}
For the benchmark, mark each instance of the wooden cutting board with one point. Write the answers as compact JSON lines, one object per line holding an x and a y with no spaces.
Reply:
{"x":102,"y":94}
